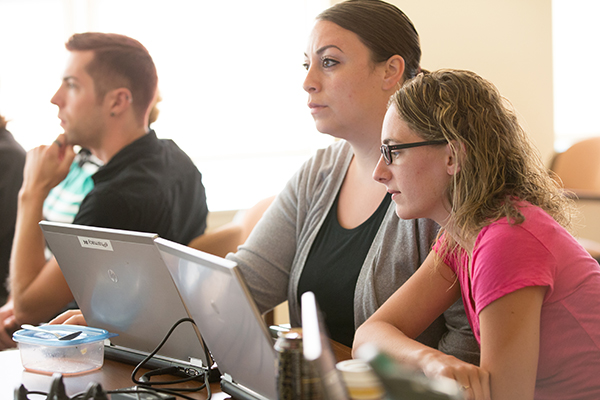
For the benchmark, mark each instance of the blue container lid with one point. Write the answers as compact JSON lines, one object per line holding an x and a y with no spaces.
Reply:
{"x":88,"y":335}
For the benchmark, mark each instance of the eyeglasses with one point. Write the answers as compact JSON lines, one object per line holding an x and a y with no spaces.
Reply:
{"x":386,"y":150}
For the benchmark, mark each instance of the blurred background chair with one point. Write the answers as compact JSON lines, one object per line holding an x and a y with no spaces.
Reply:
{"x":579,"y":170}
{"x":226,"y":238}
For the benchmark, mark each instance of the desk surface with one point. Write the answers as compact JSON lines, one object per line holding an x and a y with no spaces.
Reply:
{"x":112,"y":375}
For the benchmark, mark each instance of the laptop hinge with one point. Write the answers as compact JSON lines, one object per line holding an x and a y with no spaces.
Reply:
{"x":197,"y":362}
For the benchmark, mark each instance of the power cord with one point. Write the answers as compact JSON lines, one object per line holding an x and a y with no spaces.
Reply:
{"x":144,"y":380}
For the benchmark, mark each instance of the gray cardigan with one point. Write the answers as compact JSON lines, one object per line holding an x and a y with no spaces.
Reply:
{"x":273,"y":257}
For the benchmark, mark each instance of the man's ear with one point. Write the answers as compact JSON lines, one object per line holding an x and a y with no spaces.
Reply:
{"x":394,"y":71}
{"x":453,"y":156}
{"x":118,"y":100}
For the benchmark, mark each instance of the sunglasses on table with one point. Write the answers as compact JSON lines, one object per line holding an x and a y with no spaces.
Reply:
{"x":386,"y":149}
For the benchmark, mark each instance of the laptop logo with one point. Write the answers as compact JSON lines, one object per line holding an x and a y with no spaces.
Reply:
{"x":93,"y":243}
{"x":112,"y":276}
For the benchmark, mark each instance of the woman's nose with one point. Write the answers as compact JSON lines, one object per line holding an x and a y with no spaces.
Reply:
{"x":310,"y":82}
{"x":381,"y":173}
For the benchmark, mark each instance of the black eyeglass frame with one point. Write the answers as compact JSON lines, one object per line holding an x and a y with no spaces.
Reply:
{"x":386,"y":149}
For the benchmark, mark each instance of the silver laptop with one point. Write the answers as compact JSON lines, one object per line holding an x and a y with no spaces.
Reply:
{"x":121,"y":284}
{"x":218,"y":300}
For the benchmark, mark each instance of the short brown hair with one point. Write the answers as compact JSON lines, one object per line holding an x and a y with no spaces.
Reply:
{"x":382,"y":27}
{"x":119,"y":61}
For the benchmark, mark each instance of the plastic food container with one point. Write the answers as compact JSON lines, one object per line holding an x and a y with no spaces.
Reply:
{"x":43,"y":353}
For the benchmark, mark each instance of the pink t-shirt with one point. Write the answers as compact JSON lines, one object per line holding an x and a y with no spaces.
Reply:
{"x":539,"y":252}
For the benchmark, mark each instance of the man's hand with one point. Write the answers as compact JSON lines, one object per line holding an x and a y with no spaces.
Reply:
{"x":47,"y":166}
{"x":8,"y":325}
{"x":37,"y":286}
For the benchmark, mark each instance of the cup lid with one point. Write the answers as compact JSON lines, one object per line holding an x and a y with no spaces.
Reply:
{"x":88,"y":335}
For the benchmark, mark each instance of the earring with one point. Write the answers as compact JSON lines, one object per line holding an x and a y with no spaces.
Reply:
{"x":112,"y":114}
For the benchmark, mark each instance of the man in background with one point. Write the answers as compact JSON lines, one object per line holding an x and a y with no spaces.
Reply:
{"x":145,"y":184}
{"x":12,"y":160}
{"x":63,"y":201}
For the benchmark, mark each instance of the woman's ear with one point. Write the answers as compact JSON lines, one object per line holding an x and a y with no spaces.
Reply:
{"x":394,"y":71}
{"x":453,"y":152}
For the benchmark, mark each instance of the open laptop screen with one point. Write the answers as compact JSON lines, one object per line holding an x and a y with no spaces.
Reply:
{"x":219,"y":301}
{"x":121,"y":284}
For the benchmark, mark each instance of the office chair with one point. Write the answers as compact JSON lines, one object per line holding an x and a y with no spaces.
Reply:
{"x":226,"y":238}
{"x":578,"y":168}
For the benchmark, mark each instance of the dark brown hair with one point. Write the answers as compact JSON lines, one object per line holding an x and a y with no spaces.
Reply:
{"x":382,"y":27}
{"x":119,"y":61}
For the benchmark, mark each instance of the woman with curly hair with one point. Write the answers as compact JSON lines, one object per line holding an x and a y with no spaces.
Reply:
{"x":453,"y":151}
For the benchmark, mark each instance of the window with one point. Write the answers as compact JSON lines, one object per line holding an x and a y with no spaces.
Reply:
{"x":230,"y":75}
{"x":576,"y":40}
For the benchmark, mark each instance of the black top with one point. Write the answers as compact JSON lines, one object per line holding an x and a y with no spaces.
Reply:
{"x":12,"y":161}
{"x":333,"y":265}
{"x":151,"y":185}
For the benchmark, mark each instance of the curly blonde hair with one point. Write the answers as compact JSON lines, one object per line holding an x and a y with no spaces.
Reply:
{"x":499,"y":166}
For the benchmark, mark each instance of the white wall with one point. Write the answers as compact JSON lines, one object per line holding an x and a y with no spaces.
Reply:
{"x":230,"y":76}
{"x":508,"y":42}
{"x":576,"y":40}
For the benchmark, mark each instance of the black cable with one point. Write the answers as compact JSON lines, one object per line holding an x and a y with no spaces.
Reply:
{"x":207,"y":384}
{"x":145,"y":379}
{"x":176,"y":392}
{"x":166,"y":370}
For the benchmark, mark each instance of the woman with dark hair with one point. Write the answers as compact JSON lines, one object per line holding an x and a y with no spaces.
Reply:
{"x":453,"y":151}
{"x":333,"y":230}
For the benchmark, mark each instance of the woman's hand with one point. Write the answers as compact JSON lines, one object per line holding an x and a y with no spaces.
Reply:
{"x":474,"y":380}
{"x":70,"y":317}
{"x":407,"y":313}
